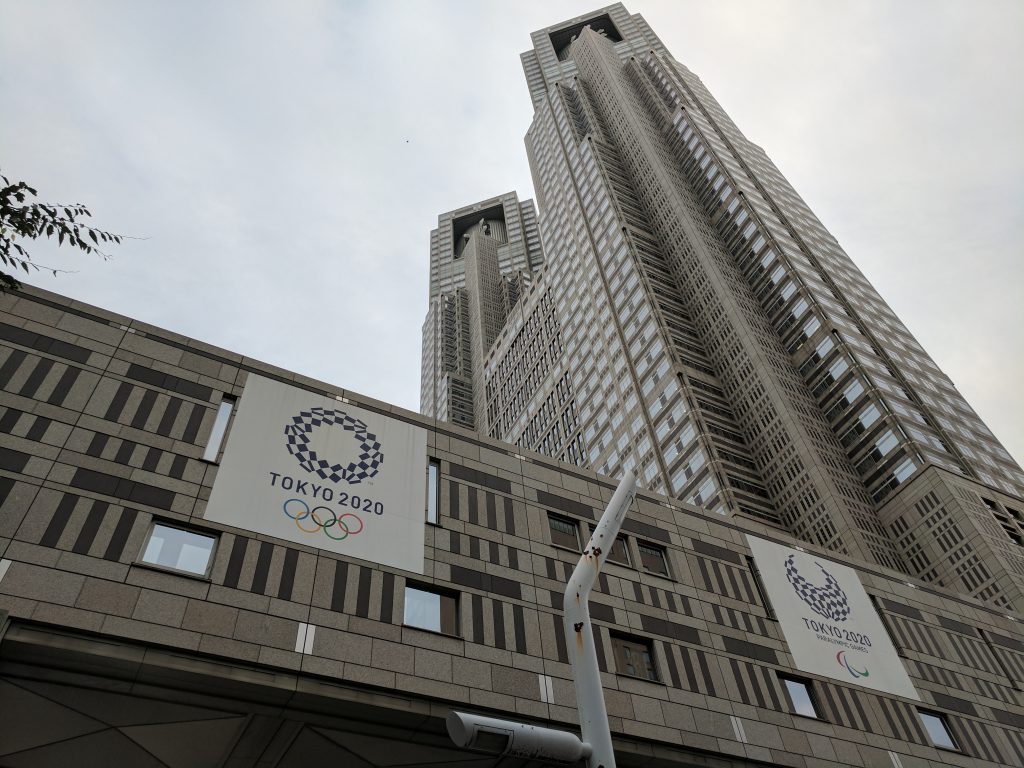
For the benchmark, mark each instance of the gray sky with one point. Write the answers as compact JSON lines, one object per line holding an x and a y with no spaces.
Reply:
{"x":285,"y":161}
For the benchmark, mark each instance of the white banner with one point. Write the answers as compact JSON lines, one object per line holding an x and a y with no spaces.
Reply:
{"x":320,"y":472}
{"x":828,"y":620}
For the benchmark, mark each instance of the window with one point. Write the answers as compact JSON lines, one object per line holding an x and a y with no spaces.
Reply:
{"x":652,"y":558}
{"x":435,"y":611}
{"x":564,"y":532}
{"x":178,"y":549}
{"x":634,"y":657}
{"x":759,"y":586}
{"x":433,"y":490}
{"x":220,"y":427}
{"x":801,"y":697}
{"x":619,"y":552}
{"x":938,"y":730}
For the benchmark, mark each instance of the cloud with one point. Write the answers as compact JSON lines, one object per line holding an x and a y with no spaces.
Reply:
{"x":286,"y":161}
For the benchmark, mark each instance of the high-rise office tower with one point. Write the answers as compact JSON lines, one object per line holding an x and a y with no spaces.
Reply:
{"x":481,"y":258}
{"x":695,"y":322}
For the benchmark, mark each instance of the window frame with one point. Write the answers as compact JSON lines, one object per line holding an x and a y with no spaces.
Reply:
{"x":621,"y":642}
{"x":219,"y":431}
{"x":762,"y":592}
{"x":433,"y":467}
{"x":214,"y":536}
{"x":812,"y":697}
{"x":452,"y":599}
{"x":662,"y":552}
{"x":552,"y":517}
{"x":622,"y":539}
{"x":943,"y":721}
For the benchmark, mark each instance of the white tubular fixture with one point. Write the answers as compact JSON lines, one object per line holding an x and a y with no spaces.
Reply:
{"x":579,"y":635}
{"x":505,"y":737}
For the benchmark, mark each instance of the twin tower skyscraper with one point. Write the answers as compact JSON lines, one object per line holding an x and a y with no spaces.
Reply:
{"x":690,"y":319}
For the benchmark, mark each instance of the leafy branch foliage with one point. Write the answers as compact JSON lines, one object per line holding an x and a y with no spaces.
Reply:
{"x":30,"y":220}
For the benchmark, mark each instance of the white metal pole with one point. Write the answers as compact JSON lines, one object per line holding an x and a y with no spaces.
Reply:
{"x":579,"y":635}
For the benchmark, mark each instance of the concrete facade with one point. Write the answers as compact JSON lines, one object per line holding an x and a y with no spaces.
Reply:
{"x":284,"y":655}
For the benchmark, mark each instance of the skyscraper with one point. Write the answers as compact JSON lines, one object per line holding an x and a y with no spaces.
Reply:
{"x":481,"y":257}
{"x":695,"y":322}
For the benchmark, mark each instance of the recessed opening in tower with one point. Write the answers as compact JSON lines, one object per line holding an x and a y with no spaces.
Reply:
{"x":563,"y":38}
{"x":491,"y":220}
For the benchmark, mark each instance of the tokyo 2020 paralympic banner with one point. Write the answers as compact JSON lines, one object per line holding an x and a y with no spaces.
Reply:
{"x":327,"y":474}
{"x":828,"y":620}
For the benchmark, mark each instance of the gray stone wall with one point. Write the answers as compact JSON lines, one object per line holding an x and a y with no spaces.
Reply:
{"x":104,"y":420}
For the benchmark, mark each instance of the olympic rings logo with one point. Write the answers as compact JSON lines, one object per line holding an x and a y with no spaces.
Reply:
{"x":312,"y":520}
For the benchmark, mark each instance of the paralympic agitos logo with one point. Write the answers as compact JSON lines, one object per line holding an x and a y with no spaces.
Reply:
{"x":829,"y":601}
{"x":369,"y":457}
{"x":854,"y":672}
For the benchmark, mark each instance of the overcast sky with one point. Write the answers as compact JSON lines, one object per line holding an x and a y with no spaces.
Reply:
{"x":285,"y":161}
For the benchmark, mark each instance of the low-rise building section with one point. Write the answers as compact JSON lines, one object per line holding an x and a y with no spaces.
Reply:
{"x":141,"y":629}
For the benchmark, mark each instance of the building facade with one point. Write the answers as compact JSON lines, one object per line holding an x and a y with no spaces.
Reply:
{"x":481,"y":260}
{"x":159,"y":607}
{"x":694,"y":322}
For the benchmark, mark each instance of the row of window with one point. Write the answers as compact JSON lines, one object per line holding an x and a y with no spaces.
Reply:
{"x":652,"y":558}
{"x":437,"y":610}
{"x":191,"y":552}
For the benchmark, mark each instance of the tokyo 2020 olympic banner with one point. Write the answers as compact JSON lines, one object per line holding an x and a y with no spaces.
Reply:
{"x":828,"y":620}
{"x":327,"y":474}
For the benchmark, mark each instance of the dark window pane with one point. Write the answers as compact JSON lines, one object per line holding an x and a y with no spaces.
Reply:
{"x":449,"y":615}
{"x":653,"y":558}
{"x":564,"y":533}
{"x":633,"y":657}
{"x":619,"y":552}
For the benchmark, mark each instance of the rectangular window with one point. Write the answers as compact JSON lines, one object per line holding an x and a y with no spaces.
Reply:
{"x":178,"y":549}
{"x":634,"y":657}
{"x":652,"y":558}
{"x":220,"y":428}
{"x":433,"y":490}
{"x":801,"y":697}
{"x":938,"y":730}
{"x":759,"y":586}
{"x":619,"y":552}
{"x":435,"y":611}
{"x":564,"y":532}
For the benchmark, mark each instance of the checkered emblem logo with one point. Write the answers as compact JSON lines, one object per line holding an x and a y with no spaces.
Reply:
{"x":367,"y":462}
{"x":828,"y":601}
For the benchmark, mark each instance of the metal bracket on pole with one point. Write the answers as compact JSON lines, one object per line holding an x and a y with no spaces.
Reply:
{"x":579,"y":633}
